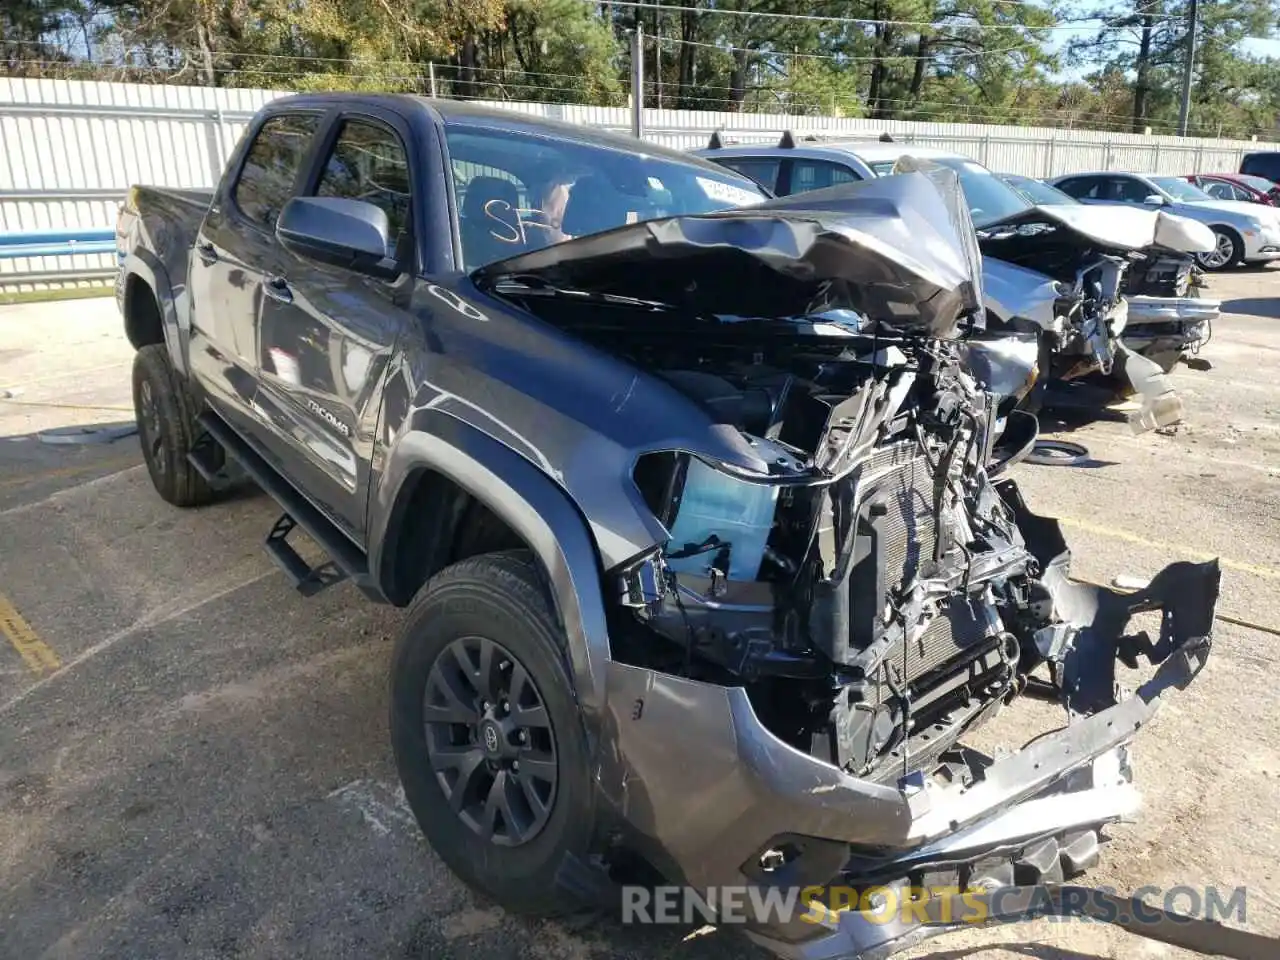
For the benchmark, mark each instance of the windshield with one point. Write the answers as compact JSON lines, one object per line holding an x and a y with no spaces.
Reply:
{"x":1181,"y":190}
{"x":1039,"y":192}
{"x":989,"y":198}
{"x":516,"y":192}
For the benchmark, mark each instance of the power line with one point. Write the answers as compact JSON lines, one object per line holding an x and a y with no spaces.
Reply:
{"x":819,"y":18}
{"x":838,"y":58}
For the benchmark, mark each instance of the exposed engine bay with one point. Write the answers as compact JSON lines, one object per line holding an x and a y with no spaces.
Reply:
{"x":873,"y":589}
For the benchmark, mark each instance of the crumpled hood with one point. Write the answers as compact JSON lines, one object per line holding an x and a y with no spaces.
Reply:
{"x":899,"y":250}
{"x":1116,"y":226}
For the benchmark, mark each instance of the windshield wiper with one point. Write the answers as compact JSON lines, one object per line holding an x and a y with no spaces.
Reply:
{"x":514,"y":285}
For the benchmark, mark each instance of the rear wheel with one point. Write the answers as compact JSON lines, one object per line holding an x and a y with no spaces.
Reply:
{"x":487,"y":736}
{"x":1227,"y":252}
{"x":167,"y":428}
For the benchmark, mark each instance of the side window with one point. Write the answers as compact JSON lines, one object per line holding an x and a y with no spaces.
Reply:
{"x":1128,"y":190}
{"x":266,"y":179}
{"x":817,"y":174}
{"x":369,"y":163}
{"x":1220,"y":190}
{"x":762,"y":170}
{"x":1079,"y":187}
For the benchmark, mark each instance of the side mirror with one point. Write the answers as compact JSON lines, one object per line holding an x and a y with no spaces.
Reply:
{"x":340,"y":232}
{"x":1154,"y":200}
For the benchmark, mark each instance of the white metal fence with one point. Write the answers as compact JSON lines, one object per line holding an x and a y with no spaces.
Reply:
{"x":70,"y":149}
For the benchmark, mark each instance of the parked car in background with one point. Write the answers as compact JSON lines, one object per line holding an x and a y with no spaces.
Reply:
{"x":1037,"y":191}
{"x":1238,"y":186}
{"x":1263,"y":163}
{"x":1064,"y":289}
{"x":1168,"y":317}
{"x":1244,"y":232}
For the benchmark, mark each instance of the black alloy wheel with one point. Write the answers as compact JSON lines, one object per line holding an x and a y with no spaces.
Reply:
{"x":152,"y":435}
{"x":490,"y":741}
{"x":167,"y":430}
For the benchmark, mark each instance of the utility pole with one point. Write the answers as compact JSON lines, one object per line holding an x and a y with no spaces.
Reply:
{"x":1184,"y":113}
{"x":637,"y":81}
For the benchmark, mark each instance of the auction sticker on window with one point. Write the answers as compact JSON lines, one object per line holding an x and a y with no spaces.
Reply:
{"x":727,"y":192}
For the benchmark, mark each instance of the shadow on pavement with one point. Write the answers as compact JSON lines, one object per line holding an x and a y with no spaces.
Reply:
{"x":36,"y":465}
{"x":1266,"y":307}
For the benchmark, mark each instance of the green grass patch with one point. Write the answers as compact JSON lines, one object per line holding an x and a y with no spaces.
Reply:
{"x":61,"y":293}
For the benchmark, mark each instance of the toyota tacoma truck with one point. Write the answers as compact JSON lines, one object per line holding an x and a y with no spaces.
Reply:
{"x":710,"y":552}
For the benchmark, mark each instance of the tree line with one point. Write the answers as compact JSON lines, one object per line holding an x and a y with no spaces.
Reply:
{"x":1111,"y":64}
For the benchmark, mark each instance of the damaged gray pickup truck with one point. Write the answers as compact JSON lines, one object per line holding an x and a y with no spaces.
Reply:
{"x":697,"y":502}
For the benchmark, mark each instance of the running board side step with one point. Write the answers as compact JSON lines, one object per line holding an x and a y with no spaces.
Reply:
{"x":346,"y":561}
{"x":209,"y":458}
{"x":308,"y":580}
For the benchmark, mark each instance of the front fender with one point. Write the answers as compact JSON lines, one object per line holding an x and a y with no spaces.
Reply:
{"x":533,"y":505}
{"x":1012,"y":292}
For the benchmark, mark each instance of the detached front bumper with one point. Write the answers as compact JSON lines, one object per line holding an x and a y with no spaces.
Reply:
{"x":1162,"y":329}
{"x":705,"y":790}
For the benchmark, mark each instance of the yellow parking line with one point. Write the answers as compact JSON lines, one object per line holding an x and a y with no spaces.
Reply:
{"x":1183,"y":552}
{"x":37,"y":654}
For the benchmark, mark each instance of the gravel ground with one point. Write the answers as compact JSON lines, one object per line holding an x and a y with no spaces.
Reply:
{"x":194,"y":759}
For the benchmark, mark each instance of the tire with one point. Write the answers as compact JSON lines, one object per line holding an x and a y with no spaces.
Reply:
{"x":1228,"y":253}
{"x":167,"y":428}
{"x":499,"y":599}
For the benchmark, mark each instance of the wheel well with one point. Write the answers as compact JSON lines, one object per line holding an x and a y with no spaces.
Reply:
{"x":142,"y":321}
{"x":435,"y":523}
{"x":1230,"y":231}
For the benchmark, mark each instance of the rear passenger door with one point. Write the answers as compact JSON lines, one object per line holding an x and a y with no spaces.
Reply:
{"x":235,"y":249}
{"x":327,"y":333}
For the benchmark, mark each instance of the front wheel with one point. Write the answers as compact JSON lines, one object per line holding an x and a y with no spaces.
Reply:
{"x":1228,"y":250}
{"x":487,"y":736}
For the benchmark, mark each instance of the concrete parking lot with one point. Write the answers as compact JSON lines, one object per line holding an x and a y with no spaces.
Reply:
{"x":194,"y":759}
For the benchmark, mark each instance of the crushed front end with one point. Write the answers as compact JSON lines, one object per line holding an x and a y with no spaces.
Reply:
{"x":802,"y":722}
{"x":1121,"y":278}
{"x":795,"y":666}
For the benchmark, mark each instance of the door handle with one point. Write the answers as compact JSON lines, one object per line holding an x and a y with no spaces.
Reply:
{"x":207,"y":252}
{"x":277,"y":288}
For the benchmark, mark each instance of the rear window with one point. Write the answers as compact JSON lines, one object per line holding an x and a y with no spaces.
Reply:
{"x":267,"y":177}
{"x":1263,"y":165}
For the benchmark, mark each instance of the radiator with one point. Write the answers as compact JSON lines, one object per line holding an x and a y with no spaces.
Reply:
{"x":909,"y":535}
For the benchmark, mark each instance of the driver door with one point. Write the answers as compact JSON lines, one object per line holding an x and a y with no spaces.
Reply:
{"x":327,"y":333}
